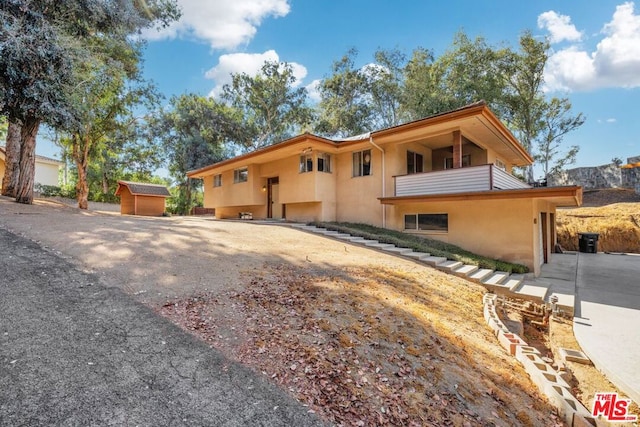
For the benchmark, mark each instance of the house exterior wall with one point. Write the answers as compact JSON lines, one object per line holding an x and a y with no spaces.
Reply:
{"x":46,"y":173}
{"x":2,"y":168}
{"x":149,"y":205}
{"x":473,"y":226}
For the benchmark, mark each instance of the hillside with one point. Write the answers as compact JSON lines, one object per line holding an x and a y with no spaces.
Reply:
{"x":612,"y":213}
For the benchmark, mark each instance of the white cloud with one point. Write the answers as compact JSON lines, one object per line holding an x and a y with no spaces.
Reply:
{"x":611,"y":120}
{"x":224,"y":24}
{"x":249,"y":63}
{"x":559,"y":26}
{"x":614,"y":63}
{"x":313,"y":90}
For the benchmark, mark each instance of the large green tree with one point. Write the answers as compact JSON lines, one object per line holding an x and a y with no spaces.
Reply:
{"x":193,"y":132}
{"x":345,"y":104}
{"x":272,"y":108}
{"x":42,"y":43}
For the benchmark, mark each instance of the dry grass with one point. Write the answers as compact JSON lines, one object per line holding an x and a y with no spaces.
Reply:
{"x":618,"y":225}
{"x":373,"y":346}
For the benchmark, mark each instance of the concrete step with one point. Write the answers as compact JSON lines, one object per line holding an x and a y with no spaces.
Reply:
{"x":513,"y":282}
{"x":449,"y":266}
{"x":433,"y":260}
{"x":566,"y":302}
{"x":418,"y":255}
{"x":496,"y":278}
{"x":358,"y":239}
{"x":342,"y":236}
{"x":532,"y":290}
{"x":481,"y":274}
{"x":371,"y":242}
{"x":378,"y":245}
{"x":399,"y":251}
{"x":330,"y":232}
{"x":465,"y":270}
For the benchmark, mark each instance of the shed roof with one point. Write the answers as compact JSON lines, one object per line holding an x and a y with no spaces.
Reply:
{"x":144,"y":189}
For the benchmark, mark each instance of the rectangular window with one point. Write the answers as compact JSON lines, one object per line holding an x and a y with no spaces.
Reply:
{"x":362,"y":163}
{"x":414,"y":162}
{"x":500,"y":164}
{"x":466,"y":161}
{"x":324,"y":162}
{"x":240,"y":175}
{"x":217,"y":180}
{"x":427,"y":222}
{"x":306,"y":163}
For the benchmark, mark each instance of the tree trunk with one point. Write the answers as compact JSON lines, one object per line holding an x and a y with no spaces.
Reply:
{"x":82,"y":187}
{"x":105,"y":183}
{"x":24,"y":188}
{"x":12,"y":161}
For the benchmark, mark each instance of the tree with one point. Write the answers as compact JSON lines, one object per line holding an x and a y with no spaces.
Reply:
{"x":345,"y":107}
{"x":524,"y":101}
{"x":557,"y":123}
{"x":385,"y":84}
{"x":195,"y":132}
{"x":422,"y":90}
{"x":272,"y":108}
{"x":11,"y":158}
{"x":41,"y":42}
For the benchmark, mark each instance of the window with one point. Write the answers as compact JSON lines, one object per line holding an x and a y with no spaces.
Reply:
{"x":240,"y":175}
{"x":217,"y":180}
{"x":362,"y":163}
{"x":306,"y":163}
{"x":324,"y":162}
{"x":500,"y":164}
{"x":414,"y":162}
{"x":466,"y":161}
{"x":426,"y":222}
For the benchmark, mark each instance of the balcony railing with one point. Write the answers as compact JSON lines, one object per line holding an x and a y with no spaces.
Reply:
{"x":462,"y":180}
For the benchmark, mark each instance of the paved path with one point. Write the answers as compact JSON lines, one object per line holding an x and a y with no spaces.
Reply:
{"x":607,"y":316}
{"x":73,"y":352}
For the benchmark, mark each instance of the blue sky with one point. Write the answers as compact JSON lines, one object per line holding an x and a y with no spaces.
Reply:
{"x":595,"y":60}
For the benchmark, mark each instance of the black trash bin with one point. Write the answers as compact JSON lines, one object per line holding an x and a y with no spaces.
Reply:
{"x":588,"y":242}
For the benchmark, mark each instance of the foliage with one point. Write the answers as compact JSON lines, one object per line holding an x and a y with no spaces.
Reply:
{"x":557,"y":123}
{"x":194,"y":132}
{"x":385,"y":82}
{"x":345,"y":107}
{"x":272,"y":108}
{"x":43,"y":48}
{"x":422,"y":244}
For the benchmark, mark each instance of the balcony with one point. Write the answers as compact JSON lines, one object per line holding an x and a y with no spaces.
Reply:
{"x":463,"y":180}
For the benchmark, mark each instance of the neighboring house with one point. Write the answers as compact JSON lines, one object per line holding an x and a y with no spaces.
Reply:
{"x":138,"y":198}
{"x":47,"y":169}
{"x":447,"y":177}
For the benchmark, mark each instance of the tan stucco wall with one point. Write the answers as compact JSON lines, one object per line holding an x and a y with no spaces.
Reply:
{"x":2,"y":167}
{"x":501,"y":229}
{"x":46,"y":174}
{"x":305,"y":212}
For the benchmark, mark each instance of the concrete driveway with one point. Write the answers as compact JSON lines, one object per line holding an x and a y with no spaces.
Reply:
{"x":607,"y":316}
{"x":74,"y":352}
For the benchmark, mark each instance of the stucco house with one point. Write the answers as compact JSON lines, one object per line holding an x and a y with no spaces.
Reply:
{"x":46,"y":170}
{"x":448,"y":177}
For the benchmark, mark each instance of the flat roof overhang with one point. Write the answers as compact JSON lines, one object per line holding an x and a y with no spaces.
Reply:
{"x":568,"y":196}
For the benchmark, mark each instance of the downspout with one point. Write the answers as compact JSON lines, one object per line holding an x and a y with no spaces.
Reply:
{"x":384,"y":207}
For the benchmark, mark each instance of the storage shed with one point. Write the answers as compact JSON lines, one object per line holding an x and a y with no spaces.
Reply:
{"x":138,"y":198}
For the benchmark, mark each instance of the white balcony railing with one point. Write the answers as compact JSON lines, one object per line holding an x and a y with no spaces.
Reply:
{"x":462,"y":180}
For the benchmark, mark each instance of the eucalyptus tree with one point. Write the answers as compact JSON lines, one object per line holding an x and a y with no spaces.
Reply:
{"x":558,"y":121}
{"x":273,"y":108}
{"x":345,"y":99}
{"x":42,"y":43}
{"x":195,"y":131}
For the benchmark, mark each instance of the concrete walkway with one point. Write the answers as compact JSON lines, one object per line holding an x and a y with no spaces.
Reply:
{"x":76,"y":353}
{"x":607,"y":316}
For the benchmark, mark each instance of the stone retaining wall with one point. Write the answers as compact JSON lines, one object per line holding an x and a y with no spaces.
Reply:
{"x":598,"y":177}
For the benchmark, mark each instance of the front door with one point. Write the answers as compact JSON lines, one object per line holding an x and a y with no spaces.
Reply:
{"x":274,"y":207}
{"x":544,"y":226}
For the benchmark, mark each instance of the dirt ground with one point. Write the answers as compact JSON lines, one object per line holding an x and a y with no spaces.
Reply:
{"x":361,"y":337}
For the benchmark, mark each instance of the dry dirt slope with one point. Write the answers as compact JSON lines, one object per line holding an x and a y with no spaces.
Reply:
{"x":362,"y":337}
{"x":613,"y":213}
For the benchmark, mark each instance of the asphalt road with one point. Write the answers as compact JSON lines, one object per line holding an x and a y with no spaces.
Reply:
{"x":73,"y":352}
